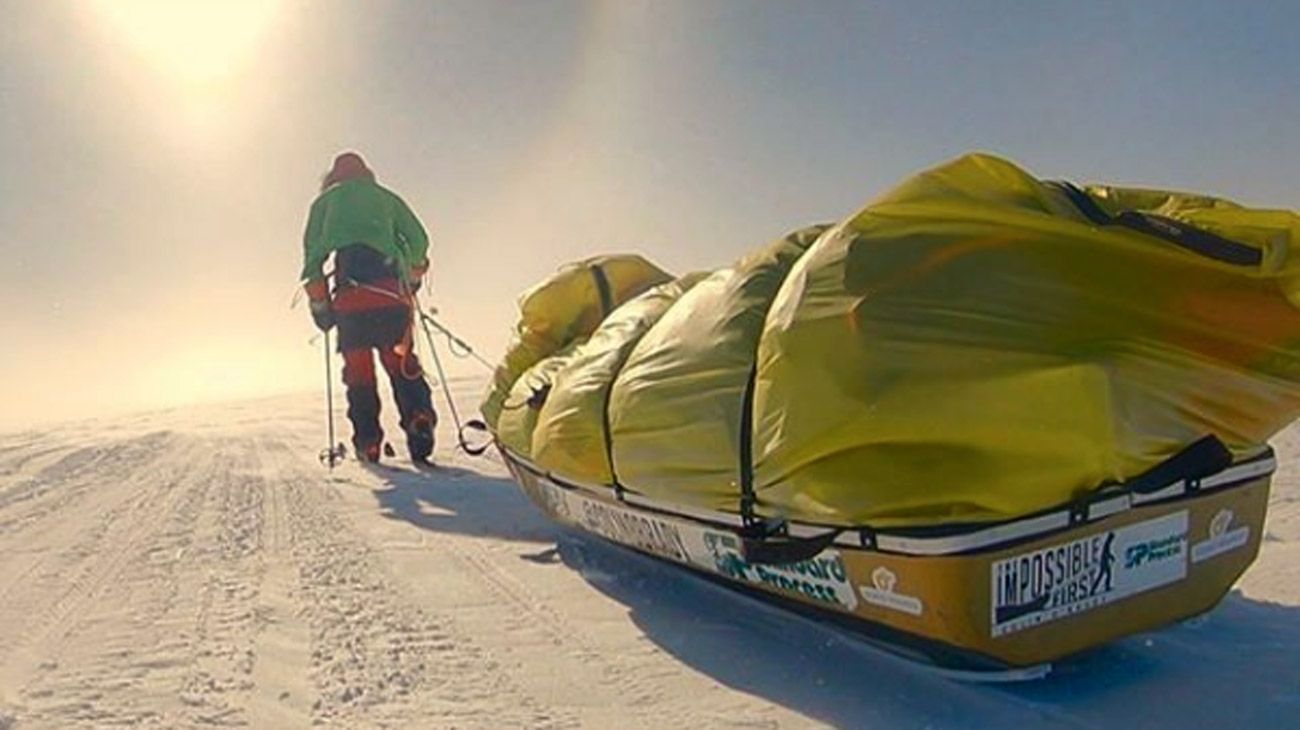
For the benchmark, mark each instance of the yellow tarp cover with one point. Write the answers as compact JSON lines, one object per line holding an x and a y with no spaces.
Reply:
{"x":519,"y":411}
{"x":570,"y":436}
{"x":563,"y":309}
{"x":697,"y":359}
{"x":975,"y":345}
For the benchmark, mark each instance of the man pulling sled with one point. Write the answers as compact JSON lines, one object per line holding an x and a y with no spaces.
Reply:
{"x":380,"y":252}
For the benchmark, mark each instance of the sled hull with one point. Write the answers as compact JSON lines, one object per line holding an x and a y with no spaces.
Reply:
{"x":1014,"y":595}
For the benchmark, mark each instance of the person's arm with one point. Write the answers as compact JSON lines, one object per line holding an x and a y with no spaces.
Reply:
{"x":314,"y":253}
{"x":414,"y":240}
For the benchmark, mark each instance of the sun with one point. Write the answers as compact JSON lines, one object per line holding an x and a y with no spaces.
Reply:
{"x":196,"y":42}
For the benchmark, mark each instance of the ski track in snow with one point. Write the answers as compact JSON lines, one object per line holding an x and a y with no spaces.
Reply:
{"x":199,"y":568}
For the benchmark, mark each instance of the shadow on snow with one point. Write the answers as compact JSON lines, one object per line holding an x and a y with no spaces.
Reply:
{"x":462,"y":502}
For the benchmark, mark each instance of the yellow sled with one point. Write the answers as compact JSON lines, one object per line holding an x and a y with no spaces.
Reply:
{"x":1014,"y":594}
{"x":994,"y":419}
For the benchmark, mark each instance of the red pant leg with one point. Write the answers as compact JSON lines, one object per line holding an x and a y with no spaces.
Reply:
{"x":358,"y":367}
{"x":363,"y":397}
{"x":397,"y":366}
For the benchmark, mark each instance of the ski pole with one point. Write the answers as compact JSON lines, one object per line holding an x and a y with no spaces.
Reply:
{"x":330,"y":455}
{"x":446,"y":389}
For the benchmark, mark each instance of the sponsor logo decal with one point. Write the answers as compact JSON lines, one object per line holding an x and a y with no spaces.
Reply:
{"x":630,"y":528}
{"x":1069,"y":578}
{"x":624,"y":526}
{"x":1221,"y":539}
{"x":823,"y":578}
{"x":882,"y":593}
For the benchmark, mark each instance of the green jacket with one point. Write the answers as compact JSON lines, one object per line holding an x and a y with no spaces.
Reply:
{"x":362,"y":211}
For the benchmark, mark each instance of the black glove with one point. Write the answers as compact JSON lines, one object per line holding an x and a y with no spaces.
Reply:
{"x":322,"y":313}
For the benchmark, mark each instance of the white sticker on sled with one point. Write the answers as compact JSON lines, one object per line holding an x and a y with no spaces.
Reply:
{"x":883,"y":592}
{"x":1076,"y":576}
{"x":1221,"y":539}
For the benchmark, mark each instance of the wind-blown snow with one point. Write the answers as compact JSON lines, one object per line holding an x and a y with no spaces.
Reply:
{"x":200,"y":568}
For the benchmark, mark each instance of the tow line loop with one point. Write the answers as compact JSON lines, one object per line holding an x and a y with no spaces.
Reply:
{"x":473,"y":425}
{"x":461,"y":427}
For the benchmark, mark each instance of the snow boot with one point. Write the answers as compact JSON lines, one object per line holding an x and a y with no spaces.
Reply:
{"x":419,"y":436}
{"x":369,"y":453}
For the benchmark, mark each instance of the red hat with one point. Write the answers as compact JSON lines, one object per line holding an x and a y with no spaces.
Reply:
{"x":347,"y":166}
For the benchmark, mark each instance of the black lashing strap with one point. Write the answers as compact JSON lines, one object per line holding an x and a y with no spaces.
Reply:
{"x":782,"y":549}
{"x":1084,"y":202}
{"x":746,"y":450}
{"x":1191,"y":238}
{"x":1167,"y":229}
{"x":608,"y":433}
{"x":1204,"y":457}
{"x":606,"y":306}
{"x":766,"y":541}
{"x":603,"y":288}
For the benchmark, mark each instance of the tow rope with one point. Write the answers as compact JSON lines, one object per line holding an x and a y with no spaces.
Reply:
{"x":473,"y":424}
{"x":331,"y":454}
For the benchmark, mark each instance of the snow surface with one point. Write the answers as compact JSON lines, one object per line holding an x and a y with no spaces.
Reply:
{"x":199,"y":568}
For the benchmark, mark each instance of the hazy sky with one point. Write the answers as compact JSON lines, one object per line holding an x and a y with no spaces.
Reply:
{"x":157,"y":157}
